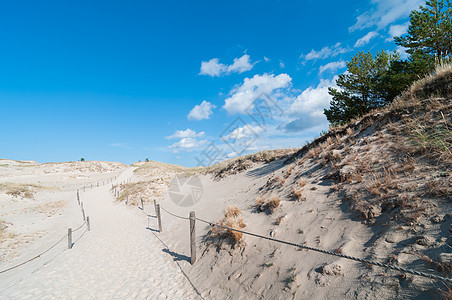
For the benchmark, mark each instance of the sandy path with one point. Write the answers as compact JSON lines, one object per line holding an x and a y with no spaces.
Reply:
{"x":118,"y":259}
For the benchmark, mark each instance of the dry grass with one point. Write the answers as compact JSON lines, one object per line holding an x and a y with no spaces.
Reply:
{"x":282,"y":180}
{"x":146,"y":190}
{"x":443,"y":267}
{"x":439,"y":187}
{"x":232,"y":220}
{"x":298,"y":194}
{"x":329,"y":141}
{"x":273,"y":203}
{"x":268,"y":205}
{"x":446,"y":294}
{"x":289,"y":171}
{"x":3,"y":226}
{"x":239,"y":164}
{"x":279,"y":220}
{"x":21,"y":190}
{"x":260,"y":201}
{"x":314,"y":153}
{"x":232,"y":212}
{"x":435,"y":84}
{"x":147,"y":167}
{"x":434,"y":141}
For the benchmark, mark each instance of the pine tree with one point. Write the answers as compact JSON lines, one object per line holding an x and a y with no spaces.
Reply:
{"x":430,"y":30}
{"x":360,"y":88}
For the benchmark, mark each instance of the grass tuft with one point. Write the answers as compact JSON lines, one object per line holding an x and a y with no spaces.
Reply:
{"x":232,"y":220}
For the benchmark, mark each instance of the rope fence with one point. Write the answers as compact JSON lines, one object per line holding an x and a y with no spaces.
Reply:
{"x":86,"y":222}
{"x":96,"y":184}
{"x":40,"y":254}
{"x":192,"y":218}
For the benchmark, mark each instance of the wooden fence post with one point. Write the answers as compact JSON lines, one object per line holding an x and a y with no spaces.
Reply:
{"x":192,"y":237}
{"x":98,"y":184}
{"x":78,"y":197}
{"x":83,"y":213}
{"x":142,"y":206}
{"x":127,"y":199}
{"x":69,"y":238}
{"x":159,"y":218}
{"x":88,"y":224}
{"x":155,"y":207}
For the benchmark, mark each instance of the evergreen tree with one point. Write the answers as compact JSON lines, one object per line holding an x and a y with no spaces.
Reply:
{"x":430,"y":30}
{"x":361,"y":87}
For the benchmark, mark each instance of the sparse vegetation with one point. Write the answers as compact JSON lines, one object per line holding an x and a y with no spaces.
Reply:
{"x":298,"y":194}
{"x":232,"y":220}
{"x":239,"y":164}
{"x":292,"y":276}
{"x":435,"y":142}
{"x":268,"y":205}
{"x":20,"y":190}
{"x":3,"y":227}
{"x":279,"y":220}
{"x":443,"y":267}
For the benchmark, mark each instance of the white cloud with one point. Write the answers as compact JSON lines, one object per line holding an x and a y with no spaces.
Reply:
{"x":214,"y":68}
{"x":266,"y":59}
{"x":241,"y":64}
{"x":244,"y":132}
{"x":187,"y":133}
{"x":232,"y":154}
{"x":186,"y":144}
{"x":325,"y":52}
{"x":312,"y":100}
{"x":397,"y":30}
{"x":242,"y":96}
{"x":332,"y":66}
{"x":202,"y":111}
{"x":402,"y":52}
{"x":385,"y":12}
{"x":366,"y":39}
{"x":282,"y":65}
{"x":307,"y":108}
{"x":187,"y":140}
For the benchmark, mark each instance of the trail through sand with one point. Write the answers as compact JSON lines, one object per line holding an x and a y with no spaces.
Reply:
{"x":118,"y":259}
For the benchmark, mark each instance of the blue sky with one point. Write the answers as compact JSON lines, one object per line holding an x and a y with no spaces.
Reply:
{"x":176,"y":81}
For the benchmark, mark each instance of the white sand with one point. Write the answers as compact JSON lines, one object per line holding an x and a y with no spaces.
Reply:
{"x":122,"y":259}
{"x":118,"y":259}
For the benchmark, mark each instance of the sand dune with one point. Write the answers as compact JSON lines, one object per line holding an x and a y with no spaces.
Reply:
{"x":119,"y":258}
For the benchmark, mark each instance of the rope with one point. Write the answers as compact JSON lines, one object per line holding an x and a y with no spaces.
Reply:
{"x":432,"y":276}
{"x":39,"y":255}
{"x":166,"y":246}
{"x":81,"y":236}
{"x":79,"y":227}
{"x":180,"y":217}
{"x":31,"y":259}
{"x":180,"y":267}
